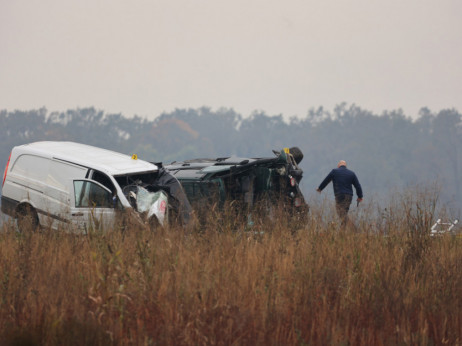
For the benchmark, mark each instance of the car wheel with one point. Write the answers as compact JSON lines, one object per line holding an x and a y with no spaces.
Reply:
{"x":27,"y":218}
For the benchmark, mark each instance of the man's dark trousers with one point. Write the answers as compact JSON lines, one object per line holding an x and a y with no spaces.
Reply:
{"x":342,"y":203}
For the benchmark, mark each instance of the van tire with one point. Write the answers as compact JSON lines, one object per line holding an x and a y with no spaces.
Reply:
{"x":27,"y":218}
{"x":154,"y":223}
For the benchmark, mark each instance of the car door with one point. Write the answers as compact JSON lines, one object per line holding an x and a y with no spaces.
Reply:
{"x":92,"y":206}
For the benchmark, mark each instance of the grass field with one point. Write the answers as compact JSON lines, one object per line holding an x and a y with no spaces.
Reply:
{"x":383,"y":282}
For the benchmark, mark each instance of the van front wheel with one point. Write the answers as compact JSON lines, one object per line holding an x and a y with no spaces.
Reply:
{"x":27,"y":218}
{"x":154,"y":223}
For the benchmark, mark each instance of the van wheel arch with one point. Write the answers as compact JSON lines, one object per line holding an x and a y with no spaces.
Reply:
{"x":26,"y":217}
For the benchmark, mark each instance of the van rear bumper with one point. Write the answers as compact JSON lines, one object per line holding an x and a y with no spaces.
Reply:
{"x":9,"y":206}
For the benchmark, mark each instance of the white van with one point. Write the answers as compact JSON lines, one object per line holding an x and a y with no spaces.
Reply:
{"x":77,"y":186}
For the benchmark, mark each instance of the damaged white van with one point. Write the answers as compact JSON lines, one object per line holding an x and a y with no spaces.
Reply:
{"x":77,"y":186}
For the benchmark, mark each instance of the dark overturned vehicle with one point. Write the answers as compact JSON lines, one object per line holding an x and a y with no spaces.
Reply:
{"x":249,"y":187}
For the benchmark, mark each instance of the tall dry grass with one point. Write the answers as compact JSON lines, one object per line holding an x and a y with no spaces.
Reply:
{"x":381,"y":281}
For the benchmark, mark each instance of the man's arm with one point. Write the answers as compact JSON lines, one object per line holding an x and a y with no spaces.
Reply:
{"x":326,"y":181}
{"x":357,"y":185}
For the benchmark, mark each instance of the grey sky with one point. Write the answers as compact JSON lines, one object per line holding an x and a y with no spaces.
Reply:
{"x":281,"y":57}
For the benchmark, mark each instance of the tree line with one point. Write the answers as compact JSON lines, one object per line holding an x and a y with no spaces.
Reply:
{"x":389,"y":152}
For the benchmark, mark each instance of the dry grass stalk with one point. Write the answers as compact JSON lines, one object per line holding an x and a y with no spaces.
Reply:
{"x":376,"y":283}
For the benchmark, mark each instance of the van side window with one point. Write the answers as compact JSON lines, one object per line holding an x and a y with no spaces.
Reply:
{"x":23,"y":165}
{"x":91,"y":195}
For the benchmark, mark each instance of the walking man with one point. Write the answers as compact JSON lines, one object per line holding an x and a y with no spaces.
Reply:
{"x":343,"y":179}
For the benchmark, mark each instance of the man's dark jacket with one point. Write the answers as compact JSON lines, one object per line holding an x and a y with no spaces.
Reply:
{"x":343,"y":179}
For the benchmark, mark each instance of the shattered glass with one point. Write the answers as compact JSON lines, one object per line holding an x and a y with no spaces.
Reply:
{"x":154,"y":203}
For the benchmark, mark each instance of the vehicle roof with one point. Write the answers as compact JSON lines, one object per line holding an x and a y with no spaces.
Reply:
{"x":108,"y":161}
{"x":221,"y":161}
{"x":195,"y":172}
{"x":199,"y":168}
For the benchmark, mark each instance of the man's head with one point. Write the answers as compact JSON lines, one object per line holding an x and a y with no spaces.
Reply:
{"x":341,"y":163}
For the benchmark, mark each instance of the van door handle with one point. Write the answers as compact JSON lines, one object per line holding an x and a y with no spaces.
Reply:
{"x":77,"y":214}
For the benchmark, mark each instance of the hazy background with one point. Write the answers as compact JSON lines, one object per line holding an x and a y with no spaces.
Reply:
{"x":281,"y":57}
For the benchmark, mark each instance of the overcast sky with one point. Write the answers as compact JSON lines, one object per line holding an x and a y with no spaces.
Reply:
{"x":280,"y":57}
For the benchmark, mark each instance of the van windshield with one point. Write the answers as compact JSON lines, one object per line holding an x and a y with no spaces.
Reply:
{"x":149,"y":178}
{"x":152,"y":183}
{"x":132,"y":183}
